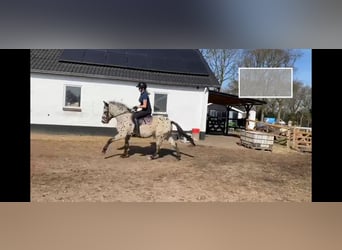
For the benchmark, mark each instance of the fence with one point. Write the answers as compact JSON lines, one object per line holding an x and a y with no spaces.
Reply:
{"x":300,"y":139}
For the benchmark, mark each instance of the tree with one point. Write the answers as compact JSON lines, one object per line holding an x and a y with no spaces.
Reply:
{"x":269,"y":58}
{"x":296,"y":102}
{"x":233,"y":87}
{"x":305,"y":108}
{"x":298,"y":108}
{"x":223,"y":63}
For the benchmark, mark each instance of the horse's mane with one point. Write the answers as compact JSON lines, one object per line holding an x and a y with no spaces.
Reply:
{"x":121,"y":105}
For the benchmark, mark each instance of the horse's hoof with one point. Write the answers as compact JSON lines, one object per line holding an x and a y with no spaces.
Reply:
{"x":103,"y":151}
{"x":124,"y":156}
{"x":152,"y":157}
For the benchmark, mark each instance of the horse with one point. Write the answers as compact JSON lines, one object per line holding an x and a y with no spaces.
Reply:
{"x":160,"y":127}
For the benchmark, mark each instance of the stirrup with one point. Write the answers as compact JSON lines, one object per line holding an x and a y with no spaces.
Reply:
{"x":135,"y":133}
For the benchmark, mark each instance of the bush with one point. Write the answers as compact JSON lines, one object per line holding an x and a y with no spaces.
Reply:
{"x":232,"y":124}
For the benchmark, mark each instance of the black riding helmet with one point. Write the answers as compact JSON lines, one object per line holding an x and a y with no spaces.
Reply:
{"x":142,"y":85}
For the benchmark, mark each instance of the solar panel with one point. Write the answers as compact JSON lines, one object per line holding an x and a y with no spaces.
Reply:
{"x":154,"y":60}
{"x":73,"y":55}
{"x":137,"y":61}
{"x":116,"y":58}
{"x":168,"y":60}
{"x":141,"y":52}
{"x":95,"y":56}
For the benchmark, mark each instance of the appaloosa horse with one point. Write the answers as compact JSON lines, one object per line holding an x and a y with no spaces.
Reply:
{"x":160,"y":128}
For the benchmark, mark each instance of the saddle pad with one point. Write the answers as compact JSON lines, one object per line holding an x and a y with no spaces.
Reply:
{"x":145,"y":120}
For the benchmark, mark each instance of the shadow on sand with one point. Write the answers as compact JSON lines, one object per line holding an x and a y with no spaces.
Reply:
{"x":148,"y":150}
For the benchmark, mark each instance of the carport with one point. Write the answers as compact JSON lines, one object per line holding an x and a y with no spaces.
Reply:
{"x":230,"y":101}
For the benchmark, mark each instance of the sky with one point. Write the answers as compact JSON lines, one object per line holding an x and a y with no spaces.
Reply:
{"x":303,"y":65}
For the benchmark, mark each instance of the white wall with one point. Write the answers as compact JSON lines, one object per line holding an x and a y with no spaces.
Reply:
{"x":186,"y":106}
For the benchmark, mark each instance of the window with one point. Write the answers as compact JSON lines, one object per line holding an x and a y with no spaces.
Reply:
{"x":160,"y":103}
{"x":72,"y":98}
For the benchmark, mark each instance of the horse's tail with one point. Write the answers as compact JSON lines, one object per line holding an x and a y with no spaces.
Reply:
{"x":181,"y":132}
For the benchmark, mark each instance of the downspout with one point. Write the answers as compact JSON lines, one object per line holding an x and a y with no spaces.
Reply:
{"x":204,"y":113}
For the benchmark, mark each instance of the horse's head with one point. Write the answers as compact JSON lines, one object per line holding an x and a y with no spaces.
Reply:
{"x":113,"y":109}
{"x":106,"y":116}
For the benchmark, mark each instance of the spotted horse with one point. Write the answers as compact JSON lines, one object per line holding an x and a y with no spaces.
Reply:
{"x":160,"y":128}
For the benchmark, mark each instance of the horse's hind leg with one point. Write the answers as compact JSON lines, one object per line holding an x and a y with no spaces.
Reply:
{"x":125,"y":153}
{"x":175,"y":147}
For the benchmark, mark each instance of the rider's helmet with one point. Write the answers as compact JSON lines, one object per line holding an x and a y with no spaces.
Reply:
{"x":142,"y":85}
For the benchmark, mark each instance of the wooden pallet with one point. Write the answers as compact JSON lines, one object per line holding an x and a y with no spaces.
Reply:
{"x":256,"y":146}
{"x":300,"y":139}
{"x":257,"y":140}
{"x":303,"y":149}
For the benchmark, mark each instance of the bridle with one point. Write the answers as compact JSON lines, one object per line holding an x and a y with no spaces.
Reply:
{"x":127,"y":111}
{"x":107,"y":115}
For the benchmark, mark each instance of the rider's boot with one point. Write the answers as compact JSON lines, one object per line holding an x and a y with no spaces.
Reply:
{"x":136,"y":131}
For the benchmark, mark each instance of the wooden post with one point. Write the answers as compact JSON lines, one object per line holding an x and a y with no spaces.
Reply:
{"x":227,"y":121}
{"x":295,"y":139}
{"x":248,"y":107}
{"x":288,"y":137}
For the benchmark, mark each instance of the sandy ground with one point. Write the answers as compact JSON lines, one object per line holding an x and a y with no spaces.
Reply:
{"x":72,"y":168}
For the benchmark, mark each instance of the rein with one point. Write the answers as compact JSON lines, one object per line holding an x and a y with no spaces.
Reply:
{"x":122,"y":113}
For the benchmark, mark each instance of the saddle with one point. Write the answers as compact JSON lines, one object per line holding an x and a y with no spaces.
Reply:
{"x":147,"y":120}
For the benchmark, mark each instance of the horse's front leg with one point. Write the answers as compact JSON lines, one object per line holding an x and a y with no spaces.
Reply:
{"x":110,"y":140}
{"x":159,"y":142}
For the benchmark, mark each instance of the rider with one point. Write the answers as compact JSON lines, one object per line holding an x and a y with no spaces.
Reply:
{"x":145,"y":106}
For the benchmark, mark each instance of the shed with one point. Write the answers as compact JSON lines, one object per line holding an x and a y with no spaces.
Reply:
{"x":226,"y":103}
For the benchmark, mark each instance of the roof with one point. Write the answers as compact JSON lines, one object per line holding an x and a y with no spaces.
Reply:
{"x":237,"y":110}
{"x":231,"y":100}
{"x":167,"y":72}
{"x":223,"y":108}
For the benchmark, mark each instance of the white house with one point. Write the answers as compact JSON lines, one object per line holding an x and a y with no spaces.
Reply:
{"x":68,"y":87}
